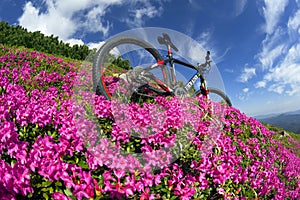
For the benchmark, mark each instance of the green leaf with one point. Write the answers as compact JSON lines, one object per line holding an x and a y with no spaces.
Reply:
{"x":173,"y":197}
{"x":46,"y":183}
{"x":165,"y":190}
{"x":68,"y":192}
{"x":128,"y":149}
{"x":45,"y":195}
{"x":58,"y":184}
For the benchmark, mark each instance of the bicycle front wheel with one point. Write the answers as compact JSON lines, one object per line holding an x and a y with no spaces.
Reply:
{"x":216,"y":95}
{"x":119,"y":56}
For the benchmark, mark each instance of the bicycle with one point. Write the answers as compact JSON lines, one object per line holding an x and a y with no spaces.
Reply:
{"x":153,"y":77}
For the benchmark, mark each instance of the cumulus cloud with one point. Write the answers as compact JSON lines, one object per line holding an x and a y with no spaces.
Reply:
{"x":247,"y":74}
{"x":63,"y":18}
{"x":72,"y":19}
{"x":49,"y":23}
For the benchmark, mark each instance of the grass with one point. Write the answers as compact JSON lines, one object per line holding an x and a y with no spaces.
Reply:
{"x":287,"y":138}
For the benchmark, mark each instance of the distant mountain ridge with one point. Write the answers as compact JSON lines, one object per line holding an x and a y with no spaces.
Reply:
{"x":276,"y":114}
{"x":289,"y":121}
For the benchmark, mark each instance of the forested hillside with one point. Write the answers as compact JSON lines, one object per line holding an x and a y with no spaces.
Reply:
{"x":19,"y":36}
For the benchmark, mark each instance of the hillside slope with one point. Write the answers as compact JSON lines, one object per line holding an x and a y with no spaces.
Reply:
{"x":58,"y":140}
{"x":12,"y":35}
{"x":290,"y":122}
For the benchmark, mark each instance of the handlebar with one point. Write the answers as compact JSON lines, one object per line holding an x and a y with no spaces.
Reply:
{"x":205,"y":67}
{"x":207,"y":61}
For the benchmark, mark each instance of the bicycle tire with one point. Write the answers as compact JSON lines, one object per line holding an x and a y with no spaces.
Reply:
{"x":98,"y":66}
{"x":218,"y":92}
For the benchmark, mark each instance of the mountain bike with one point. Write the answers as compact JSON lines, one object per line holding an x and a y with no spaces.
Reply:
{"x":127,"y":63}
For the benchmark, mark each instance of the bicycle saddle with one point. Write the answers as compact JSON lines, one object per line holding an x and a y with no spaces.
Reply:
{"x":166,"y":40}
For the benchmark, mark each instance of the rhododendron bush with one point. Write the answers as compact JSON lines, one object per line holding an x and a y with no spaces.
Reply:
{"x":55,"y":145}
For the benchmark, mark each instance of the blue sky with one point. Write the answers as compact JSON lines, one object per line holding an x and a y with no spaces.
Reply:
{"x":255,"y":43}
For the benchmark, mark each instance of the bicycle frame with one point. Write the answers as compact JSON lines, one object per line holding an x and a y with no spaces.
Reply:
{"x":169,"y":87}
{"x":194,"y":78}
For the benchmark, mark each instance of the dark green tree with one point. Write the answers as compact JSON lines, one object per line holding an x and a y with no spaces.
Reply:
{"x":19,"y":36}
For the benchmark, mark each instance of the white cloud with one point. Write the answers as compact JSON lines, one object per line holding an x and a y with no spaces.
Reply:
{"x":205,"y":39}
{"x":271,"y":48}
{"x":284,"y":73}
{"x":272,"y":12}
{"x":294,"y":21}
{"x":268,"y":56}
{"x":247,"y":74}
{"x":197,"y":50}
{"x":195,"y":4}
{"x":285,"y":76}
{"x":67,"y":18}
{"x":143,"y":9}
{"x":137,"y":15}
{"x":229,"y":70}
{"x":204,"y":42}
{"x":95,"y":45}
{"x":244,"y":94}
{"x":46,"y":23}
{"x":290,"y":67}
{"x":240,"y":7}
{"x":63,"y":18}
{"x":293,"y":55}
{"x":278,"y":88}
{"x":246,"y":90}
{"x":280,"y":53}
{"x":95,"y":21}
{"x":73,"y":42}
{"x":260,"y":84}
{"x":294,"y":90}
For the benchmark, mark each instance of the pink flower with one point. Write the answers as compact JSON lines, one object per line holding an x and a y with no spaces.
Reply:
{"x":117,"y":189}
{"x":203,"y":182}
{"x":146,"y":196}
{"x":60,"y":196}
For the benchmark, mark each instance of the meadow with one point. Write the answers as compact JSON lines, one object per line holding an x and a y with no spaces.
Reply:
{"x":58,"y":140}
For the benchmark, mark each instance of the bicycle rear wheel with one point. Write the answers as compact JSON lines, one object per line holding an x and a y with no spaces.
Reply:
{"x":216,"y":95}
{"x":119,"y":56}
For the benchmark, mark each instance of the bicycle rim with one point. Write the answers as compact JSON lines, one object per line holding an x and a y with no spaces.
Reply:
{"x":117,"y":59}
{"x":216,"y":95}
